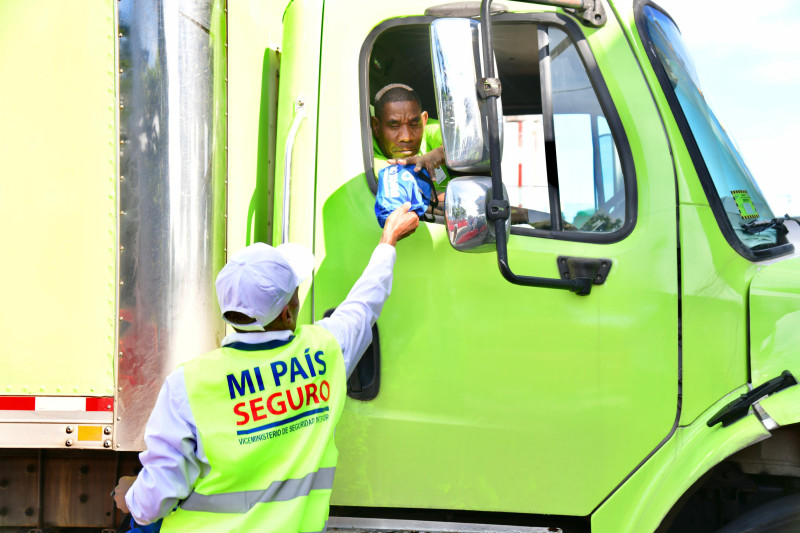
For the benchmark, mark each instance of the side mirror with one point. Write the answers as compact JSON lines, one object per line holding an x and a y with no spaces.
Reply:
{"x":472,"y":125}
{"x":456,"y":51}
{"x":465,"y":206}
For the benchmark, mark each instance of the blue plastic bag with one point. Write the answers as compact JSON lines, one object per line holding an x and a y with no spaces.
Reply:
{"x":398,"y":184}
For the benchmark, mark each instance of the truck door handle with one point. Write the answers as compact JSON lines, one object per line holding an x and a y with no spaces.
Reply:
{"x":581,"y":267}
{"x":365,"y":381}
{"x":299,"y":115}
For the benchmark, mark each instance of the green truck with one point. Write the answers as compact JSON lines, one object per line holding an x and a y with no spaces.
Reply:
{"x":623,"y":360}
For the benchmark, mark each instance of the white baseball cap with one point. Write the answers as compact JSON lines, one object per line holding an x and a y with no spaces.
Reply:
{"x":259,"y":281}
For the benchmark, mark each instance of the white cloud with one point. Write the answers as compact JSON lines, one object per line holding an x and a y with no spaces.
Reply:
{"x":779,"y":70}
{"x":704,"y":23}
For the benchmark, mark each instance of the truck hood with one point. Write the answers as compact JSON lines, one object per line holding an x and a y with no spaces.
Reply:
{"x":775,"y":320}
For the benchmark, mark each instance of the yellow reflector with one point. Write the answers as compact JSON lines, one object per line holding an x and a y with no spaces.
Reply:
{"x":90,"y":433}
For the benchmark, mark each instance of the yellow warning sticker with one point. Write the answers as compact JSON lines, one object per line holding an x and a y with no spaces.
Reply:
{"x":746,"y":206}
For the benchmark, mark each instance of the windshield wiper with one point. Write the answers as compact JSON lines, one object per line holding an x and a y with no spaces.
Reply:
{"x":757,"y":227}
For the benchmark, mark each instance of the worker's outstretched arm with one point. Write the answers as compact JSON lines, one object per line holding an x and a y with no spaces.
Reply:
{"x":352,"y":321}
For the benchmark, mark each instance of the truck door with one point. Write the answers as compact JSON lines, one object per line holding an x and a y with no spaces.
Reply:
{"x":493,"y":396}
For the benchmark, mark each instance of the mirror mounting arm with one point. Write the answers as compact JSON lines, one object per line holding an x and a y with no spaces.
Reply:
{"x":496,"y":212}
{"x":591,"y":13}
{"x":488,"y":87}
{"x":581,"y":286}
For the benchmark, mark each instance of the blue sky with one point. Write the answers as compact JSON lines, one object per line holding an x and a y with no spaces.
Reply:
{"x":748,"y":61}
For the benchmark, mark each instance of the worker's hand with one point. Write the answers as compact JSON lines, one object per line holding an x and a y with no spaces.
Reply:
{"x":430,"y":161}
{"x":401,"y":223}
{"x":121,"y":490}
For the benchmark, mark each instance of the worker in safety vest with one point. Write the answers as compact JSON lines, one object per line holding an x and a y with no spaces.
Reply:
{"x":241,"y":438}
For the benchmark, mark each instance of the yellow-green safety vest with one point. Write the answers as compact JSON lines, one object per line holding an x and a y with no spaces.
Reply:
{"x":265,"y":414}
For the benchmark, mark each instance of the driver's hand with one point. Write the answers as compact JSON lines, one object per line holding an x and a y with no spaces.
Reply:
{"x":430,"y":161}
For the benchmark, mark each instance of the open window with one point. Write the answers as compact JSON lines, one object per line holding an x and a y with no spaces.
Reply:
{"x":398,"y":51}
{"x":566,"y":164}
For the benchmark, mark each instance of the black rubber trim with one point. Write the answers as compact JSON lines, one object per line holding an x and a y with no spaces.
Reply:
{"x":692,"y":147}
{"x":567,"y":524}
{"x":575,"y":34}
{"x":549,"y":129}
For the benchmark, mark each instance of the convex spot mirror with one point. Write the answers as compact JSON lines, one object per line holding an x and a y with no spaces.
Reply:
{"x":465,"y":207}
{"x":457,"y":67}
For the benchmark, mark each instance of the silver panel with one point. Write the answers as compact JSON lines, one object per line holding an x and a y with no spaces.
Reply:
{"x":337,"y":524}
{"x":72,"y":417}
{"x":468,"y":228}
{"x":168,"y":193}
{"x":456,"y":58}
{"x":769,"y":423}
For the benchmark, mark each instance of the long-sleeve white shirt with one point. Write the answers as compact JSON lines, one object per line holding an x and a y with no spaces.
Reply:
{"x":175,"y":458}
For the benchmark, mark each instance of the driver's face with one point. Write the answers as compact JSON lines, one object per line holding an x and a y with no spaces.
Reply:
{"x":399,"y":130}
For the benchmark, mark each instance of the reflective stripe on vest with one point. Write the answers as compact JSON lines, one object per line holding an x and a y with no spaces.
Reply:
{"x":278,"y":491}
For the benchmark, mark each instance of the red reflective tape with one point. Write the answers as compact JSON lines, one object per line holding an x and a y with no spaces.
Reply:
{"x":17,"y":403}
{"x":50,"y":403}
{"x":99,"y":404}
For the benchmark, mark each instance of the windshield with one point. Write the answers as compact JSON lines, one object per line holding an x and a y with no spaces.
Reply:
{"x":741,"y":199}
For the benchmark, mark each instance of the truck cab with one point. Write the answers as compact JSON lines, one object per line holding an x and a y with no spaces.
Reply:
{"x":656,"y":393}
{"x":495,"y":392}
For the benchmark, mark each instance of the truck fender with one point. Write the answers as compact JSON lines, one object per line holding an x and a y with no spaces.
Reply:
{"x":645,"y":498}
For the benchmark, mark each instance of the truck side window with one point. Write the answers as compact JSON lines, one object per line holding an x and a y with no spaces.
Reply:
{"x":560,"y":149}
{"x":589,"y":178}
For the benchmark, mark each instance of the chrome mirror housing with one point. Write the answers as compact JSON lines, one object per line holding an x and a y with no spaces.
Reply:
{"x":457,"y":67}
{"x":465,"y":208}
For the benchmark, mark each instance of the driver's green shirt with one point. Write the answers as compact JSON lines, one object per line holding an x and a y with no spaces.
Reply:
{"x":431,"y":139}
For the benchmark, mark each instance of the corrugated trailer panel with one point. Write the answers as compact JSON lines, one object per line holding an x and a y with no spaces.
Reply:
{"x":172,"y":196}
{"x":58,"y":197}
{"x":113,"y":207}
